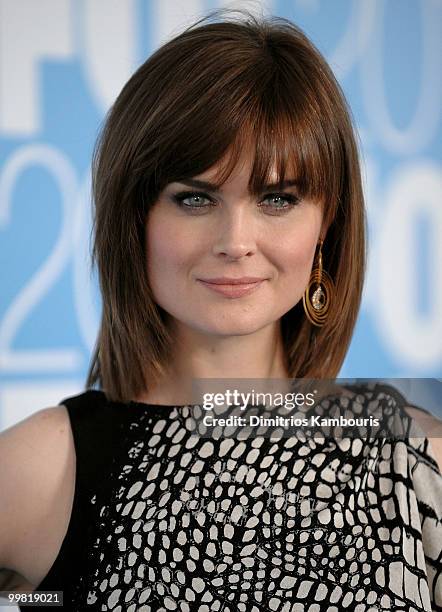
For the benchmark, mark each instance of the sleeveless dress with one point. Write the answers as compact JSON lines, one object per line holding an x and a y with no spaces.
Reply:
{"x":166,"y":520}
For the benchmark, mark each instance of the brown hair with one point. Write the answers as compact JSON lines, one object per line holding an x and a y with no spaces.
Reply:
{"x":194,"y":102}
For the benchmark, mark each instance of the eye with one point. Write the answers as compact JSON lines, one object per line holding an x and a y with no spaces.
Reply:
{"x":193,"y":200}
{"x":280,"y":202}
{"x":197,"y":202}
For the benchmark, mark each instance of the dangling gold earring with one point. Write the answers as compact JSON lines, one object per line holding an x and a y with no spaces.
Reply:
{"x":319,"y":293}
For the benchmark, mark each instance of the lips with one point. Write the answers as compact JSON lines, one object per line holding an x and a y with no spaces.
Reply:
{"x":225,"y":280}
{"x":233,"y":287}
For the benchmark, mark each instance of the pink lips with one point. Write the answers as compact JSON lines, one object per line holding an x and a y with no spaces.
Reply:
{"x":233,"y":287}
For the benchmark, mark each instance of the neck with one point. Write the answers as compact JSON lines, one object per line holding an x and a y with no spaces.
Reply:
{"x":198,"y":355}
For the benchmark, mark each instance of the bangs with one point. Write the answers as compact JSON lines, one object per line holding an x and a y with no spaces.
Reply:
{"x":289,"y":139}
{"x":289,"y":148}
{"x":266,"y":97}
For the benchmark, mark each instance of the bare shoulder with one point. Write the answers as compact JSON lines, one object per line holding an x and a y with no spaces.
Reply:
{"x":44,"y":421}
{"x":37,"y":481}
{"x":432,"y":427}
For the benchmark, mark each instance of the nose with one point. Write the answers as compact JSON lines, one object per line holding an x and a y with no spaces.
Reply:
{"x":235,"y":234}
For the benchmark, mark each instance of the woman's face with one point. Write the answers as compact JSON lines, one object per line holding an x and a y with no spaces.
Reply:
{"x":196,"y":235}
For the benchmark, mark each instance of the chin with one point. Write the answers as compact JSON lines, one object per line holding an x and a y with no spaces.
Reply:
{"x":232,"y":327}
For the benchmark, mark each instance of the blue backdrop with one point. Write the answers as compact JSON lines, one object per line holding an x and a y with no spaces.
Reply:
{"x":63,"y":62}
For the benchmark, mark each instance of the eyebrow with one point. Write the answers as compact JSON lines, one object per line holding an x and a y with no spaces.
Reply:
{"x":213,"y":187}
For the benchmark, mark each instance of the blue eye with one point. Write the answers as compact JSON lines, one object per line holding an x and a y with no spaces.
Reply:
{"x":281,"y":201}
{"x":196,"y":200}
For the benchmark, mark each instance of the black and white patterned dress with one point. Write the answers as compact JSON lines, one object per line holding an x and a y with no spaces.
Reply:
{"x":166,"y":520}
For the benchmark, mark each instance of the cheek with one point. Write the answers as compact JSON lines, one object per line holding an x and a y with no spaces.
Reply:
{"x":295,"y":253}
{"x":168,"y":250}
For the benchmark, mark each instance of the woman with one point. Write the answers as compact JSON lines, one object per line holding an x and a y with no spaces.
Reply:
{"x":230,"y":243}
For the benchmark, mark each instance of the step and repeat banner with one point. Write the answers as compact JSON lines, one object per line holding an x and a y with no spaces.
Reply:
{"x":63,"y":62}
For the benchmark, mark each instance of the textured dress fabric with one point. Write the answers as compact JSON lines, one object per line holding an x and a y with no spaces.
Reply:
{"x":163,"y":519}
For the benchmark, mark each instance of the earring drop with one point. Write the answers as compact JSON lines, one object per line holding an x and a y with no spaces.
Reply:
{"x":318,"y":293}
